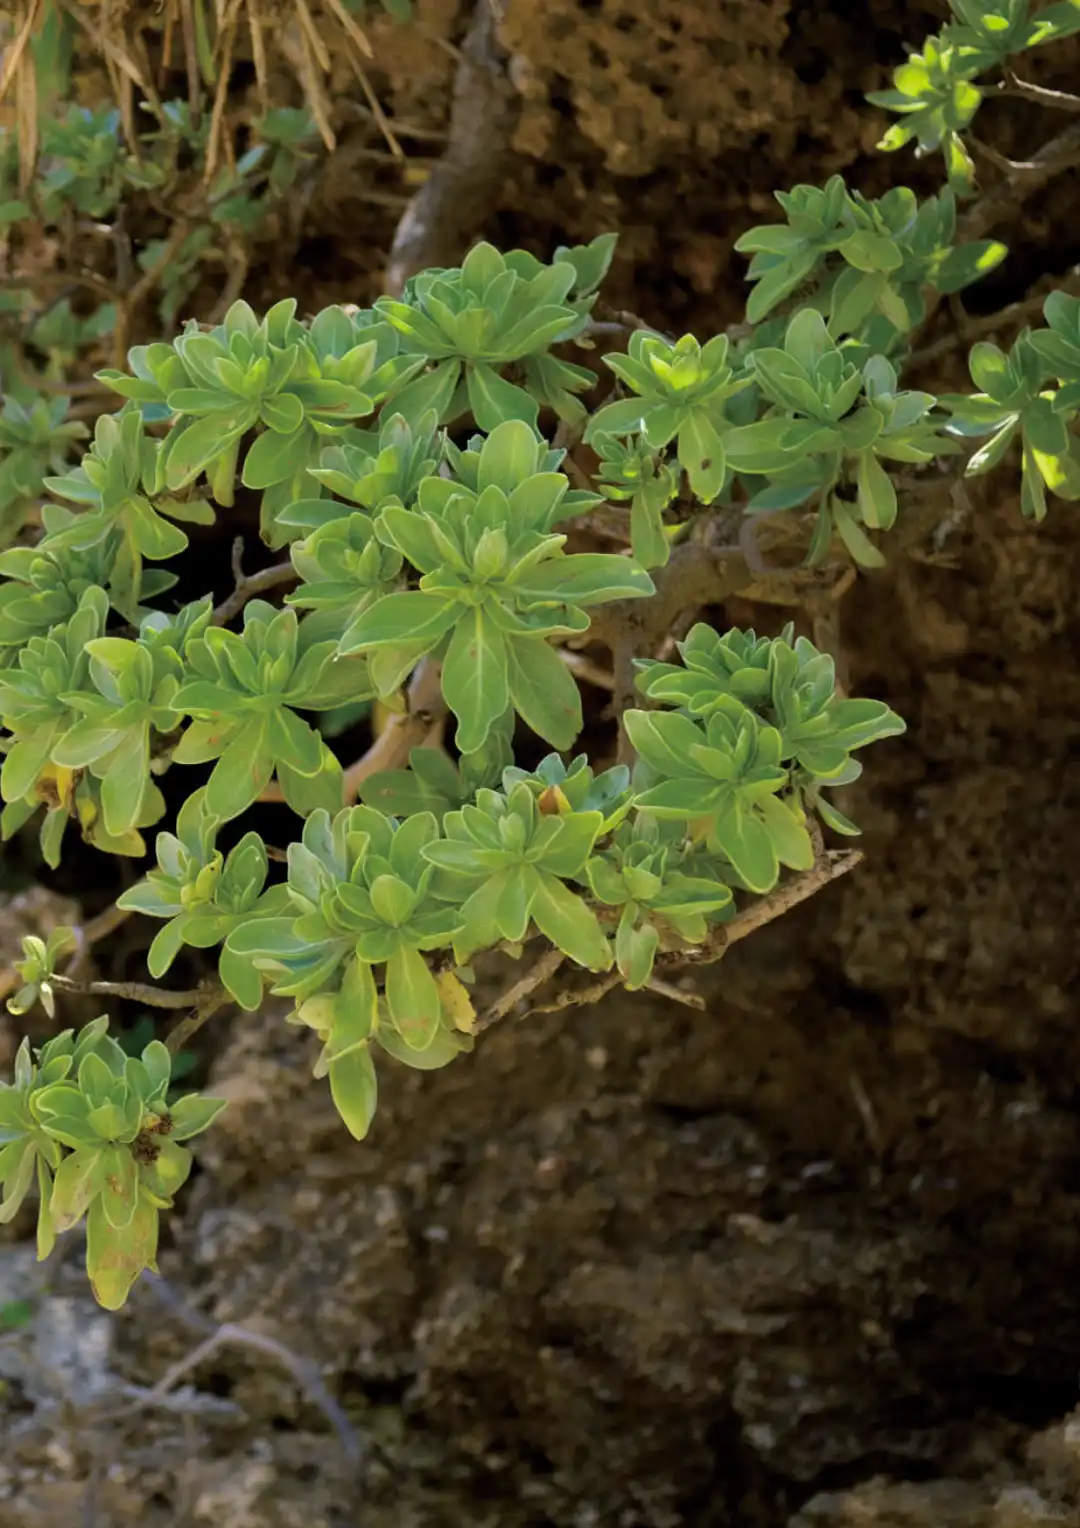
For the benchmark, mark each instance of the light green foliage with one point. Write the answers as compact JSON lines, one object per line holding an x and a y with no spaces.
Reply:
{"x":781,"y":686}
{"x":934,"y":93}
{"x":1015,"y":401}
{"x":498,"y":309}
{"x":119,"y":484}
{"x":243,"y":690}
{"x":300,"y":384}
{"x":435,"y":783}
{"x":508,"y":859}
{"x":93,"y":1127}
{"x":42,"y":587}
{"x":37,"y":969}
{"x":34,"y":696}
{"x":495,"y":584}
{"x":829,"y":425}
{"x":35,"y":440}
{"x":438,"y":535}
{"x":632,"y":470}
{"x":681,"y":392}
{"x":872,"y":258}
{"x":647,"y":874}
{"x":204,"y":894}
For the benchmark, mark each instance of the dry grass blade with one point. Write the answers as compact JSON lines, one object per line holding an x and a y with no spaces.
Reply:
{"x":258,"y":54}
{"x":221,"y":94}
{"x":311,"y":32}
{"x":191,"y":58}
{"x":18,"y":47}
{"x":357,"y":37}
{"x":355,"y":31}
{"x":378,"y":113}
{"x":310,"y":80}
{"x":112,"y":50}
{"x":26,"y":112}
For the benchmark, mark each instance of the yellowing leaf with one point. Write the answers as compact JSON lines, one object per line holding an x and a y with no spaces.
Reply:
{"x":456,"y":1002}
{"x":56,"y":786}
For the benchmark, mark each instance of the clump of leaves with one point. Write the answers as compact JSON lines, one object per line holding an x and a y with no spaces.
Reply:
{"x":93,"y":1127}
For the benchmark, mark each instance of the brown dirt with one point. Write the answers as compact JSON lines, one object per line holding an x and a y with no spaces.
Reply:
{"x":807,"y":1260}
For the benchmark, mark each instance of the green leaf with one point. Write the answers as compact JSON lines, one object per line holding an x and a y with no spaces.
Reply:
{"x":273,"y":458}
{"x":585,"y":578}
{"x":241,"y":774}
{"x":790,"y":839}
{"x":412,"y":997}
{"x":409,"y":617}
{"x":193,"y":445}
{"x":508,"y":456}
{"x":747,"y":843}
{"x":119,"y":1186}
{"x":862,"y":549}
{"x":701,"y":454}
{"x":494,"y":401}
{"x":635,"y":950}
{"x":192,"y":1114}
{"x":475,"y":680}
{"x":868,"y":251}
{"x":446,"y":1047}
{"x":570,"y":924}
{"x":877,"y":496}
{"x":543,"y":691}
{"x":354,"y":1089}
{"x":79,"y":1178}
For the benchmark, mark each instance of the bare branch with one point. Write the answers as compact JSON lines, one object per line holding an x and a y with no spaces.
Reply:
{"x":990,"y":323}
{"x":424,"y":713}
{"x":1040,"y":95}
{"x":214,"y":998}
{"x":460,"y":193}
{"x":541,"y":972}
{"x":248,"y":585}
{"x":676,"y":994}
{"x":583,"y":667}
{"x":303,"y":1371}
{"x":134,"y":992}
{"x":1058,"y":154}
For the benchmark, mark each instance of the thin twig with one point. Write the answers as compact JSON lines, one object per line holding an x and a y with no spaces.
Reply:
{"x":1024,"y":90}
{"x":990,"y":323}
{"x":248,"y":585}
{"x":134,"y":992}
{"x":1017,"y":187}
{"x":214,"y":998}
{"x":537,"y":974}
{"x":1056,"y":155}
{"x":829,"y":867}
{"x":583,"y":667}
{"x":93,"y":931}
{"x":676,"y":994}
{"x":230,"y":1334}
